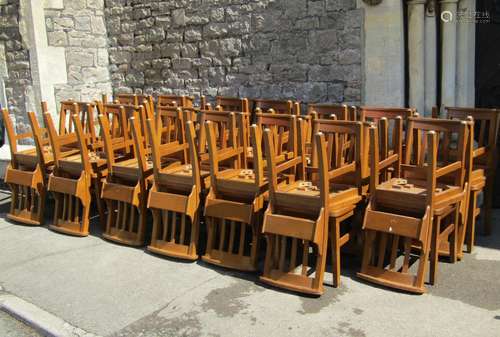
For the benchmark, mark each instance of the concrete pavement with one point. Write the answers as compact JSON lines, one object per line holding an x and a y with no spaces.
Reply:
{"x":11,"y":327}
{"x":112,"y":290}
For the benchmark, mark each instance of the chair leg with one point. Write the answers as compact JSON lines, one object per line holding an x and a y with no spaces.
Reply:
{"x":487,"y":203}
{"x":436,"y":229}
{"x":471,"y":222}
{"x":100,"y":203}
{"x":454,"y":235}
{"x":335,"y":242}
{"x":41,"y":205}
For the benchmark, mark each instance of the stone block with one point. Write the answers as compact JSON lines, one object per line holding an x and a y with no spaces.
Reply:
{"x":82,"y":23}
{"x":57,"y":39}
{"x":193,"y":34}
{"x":179,"y":17}
{"x":181,"y":63}
{"x":98,"y":26}
{"x":63,"y":23}
{"x":79,"y":58}
{"x":323,"y":40}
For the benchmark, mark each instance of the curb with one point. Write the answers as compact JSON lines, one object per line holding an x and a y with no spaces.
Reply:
{"x":44,"y":322}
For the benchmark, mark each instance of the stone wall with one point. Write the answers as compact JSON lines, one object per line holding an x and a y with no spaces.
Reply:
{"x":18,"y":84}
{"x":79,"y":28}
{"x":303,"y":49}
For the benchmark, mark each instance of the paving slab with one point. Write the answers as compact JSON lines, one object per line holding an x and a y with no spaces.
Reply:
{"x":113,"y":290}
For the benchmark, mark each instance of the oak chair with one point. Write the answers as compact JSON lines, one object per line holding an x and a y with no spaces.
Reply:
{"x":232,"y":104}
{"x":276,"y":106}
{"x":375,"y":113}
{"x":133,"y":99}
{"x":86,"y":114}
{"x":231,"y":130}
{"x":485,"y":159}
{"x":125,"y":190}
{"x":292,"y":231}
{"x":78,"y":174}
{"x":27,"y":172}
{"x":225,"y":159}
{"x":418,"y":211}
{"x":325,"y":111}
{"x":175,"y":101}
{"x":177,"y":191}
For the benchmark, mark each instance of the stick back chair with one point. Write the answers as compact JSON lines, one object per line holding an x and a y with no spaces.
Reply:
{"x":232,"y":104}
{"x":177,"y":192}
{"x":417,"y":211}
{"x":276,"y":106}
{"x":27,"y":172}
{"x":229,"y":206}
{"x":238,"y":195}
{"x":230,"y":131}
{"x":175,"y":101}
{"x":485,"y":159}
{"x":325,"y":111}
{"x":292,"y":231}
{"x":86,"y":113}
{"x":125,"y":190}
{"x":70,"y":182}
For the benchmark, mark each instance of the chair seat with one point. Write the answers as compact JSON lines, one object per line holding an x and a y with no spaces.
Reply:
{"x":129,"y":169}
{"x":29,"y":157}
{"x":180,"y":177}
{"x":307,"y":196}
{"x":410,"y":195}
{"x":73,"y":164}
{"x":239,"y":183}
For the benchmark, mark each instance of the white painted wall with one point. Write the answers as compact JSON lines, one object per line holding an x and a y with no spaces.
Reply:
{"x":383,"y":59}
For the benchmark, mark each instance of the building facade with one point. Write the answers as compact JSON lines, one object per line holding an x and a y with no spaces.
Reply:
{"x":417,"y":53}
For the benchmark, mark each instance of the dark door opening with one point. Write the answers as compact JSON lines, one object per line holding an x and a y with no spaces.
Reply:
{"x":488,"y":65}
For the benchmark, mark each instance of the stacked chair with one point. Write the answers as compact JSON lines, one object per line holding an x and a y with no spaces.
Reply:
{"x":27,"y":173}
{"x":283,"y":195}
{"x":179,"y":186}
{"x":419,"y":209}
{"x":485,"y":160}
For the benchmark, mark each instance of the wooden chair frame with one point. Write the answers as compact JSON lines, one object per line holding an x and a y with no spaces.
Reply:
{"x":415,"y":214}
{"x":276,"y":106}
{"x":485,"y":160}
{"x":177,"y":192}
{"x":235,"y":104}
{"x":27,"y":173}
{"x":289,"y":229}
{"x":126,"y":187}
{"x":230,"y":199}
{"x":77,"y":174}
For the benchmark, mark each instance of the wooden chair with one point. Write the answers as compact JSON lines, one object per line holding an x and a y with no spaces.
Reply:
{"x":417,"y":211}
{"x":77,"y":174}
{"x":232,"y":104}
{"x":375,"y":113}
{"x":133,"y":99}
{"x":125,"y":190}
{"x":230,"y":199}
{"x":227,"y":133}
{"x":86,"y":114}
{"x":177,"y":191}
{"x":233,"y":207}
{"x":27,"y":172}
{"x":485,"y":159}
{"x":325,"y":111}
{"x":292,"y":231}
{"x":275,"y":106}
{"x":175,"y":101}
